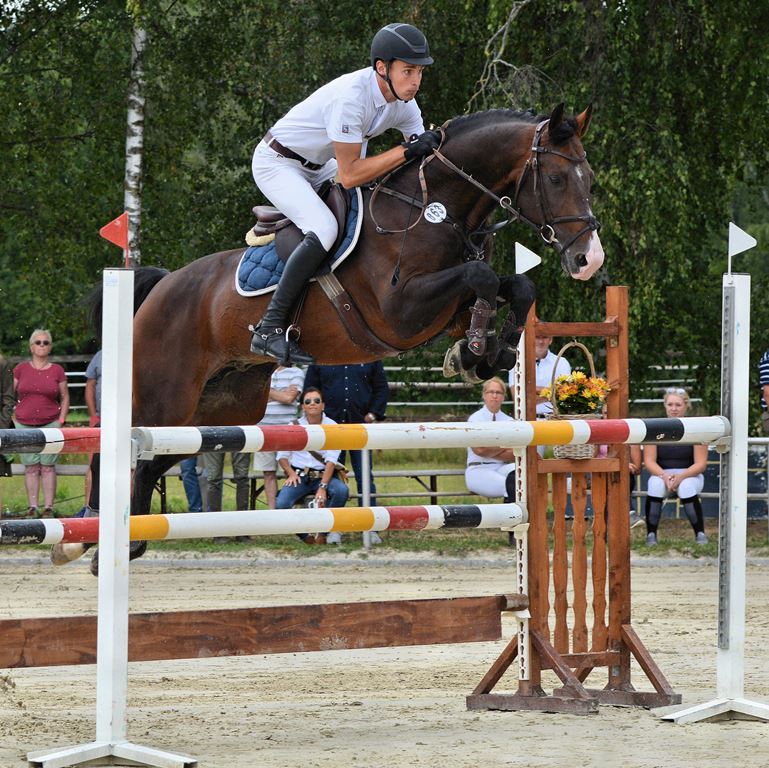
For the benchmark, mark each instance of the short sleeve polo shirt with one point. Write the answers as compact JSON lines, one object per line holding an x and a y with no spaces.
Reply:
{"x":350,"y":109}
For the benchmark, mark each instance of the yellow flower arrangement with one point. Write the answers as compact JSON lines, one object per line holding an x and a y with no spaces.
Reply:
{"x":578,"y":393}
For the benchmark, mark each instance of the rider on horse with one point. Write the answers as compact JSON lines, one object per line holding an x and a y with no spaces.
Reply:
{"x":326,"y":134}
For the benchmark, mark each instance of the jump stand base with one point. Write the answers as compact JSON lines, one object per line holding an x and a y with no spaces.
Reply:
{"x":514,"y":702}
{"x":116,"y":754}
{"x":720,"y":709}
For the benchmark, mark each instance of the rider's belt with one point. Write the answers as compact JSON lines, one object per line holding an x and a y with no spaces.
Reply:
{"x":310,"y":474}
{"x":478,"y":463}
{"x":276,"y":146}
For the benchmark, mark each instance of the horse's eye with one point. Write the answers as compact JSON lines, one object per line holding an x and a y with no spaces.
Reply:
{"x":554,"y":178}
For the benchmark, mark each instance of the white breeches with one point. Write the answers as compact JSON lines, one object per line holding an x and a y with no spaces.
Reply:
{"x":488,"y":479}
{"x":291,"y":188}
{"x":690,"y":486}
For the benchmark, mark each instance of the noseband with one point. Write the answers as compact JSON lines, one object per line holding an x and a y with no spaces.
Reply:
{"x":533,"y":167}
{"x":547,"y":229}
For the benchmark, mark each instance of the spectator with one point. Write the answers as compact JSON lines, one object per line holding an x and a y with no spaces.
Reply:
{"x":7,"y":401}
{"x":491,"y":471}
{"x":190,"y":477}
{"x":42,"y":400}
{"x":354,"y":394}
{"x":93,"y":403}
{"x":635,"y":464}
{"x":214,"y":469}
{"x":763,"y":384}
{"x":675,"y":470}
{"x":285,"y":388}
{"x":312,"y":472}
{"x":545,"y":363}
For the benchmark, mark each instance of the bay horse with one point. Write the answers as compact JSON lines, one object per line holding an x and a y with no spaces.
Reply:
{"x":413,"y":275}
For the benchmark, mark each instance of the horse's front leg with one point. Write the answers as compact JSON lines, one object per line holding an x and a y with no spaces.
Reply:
{"x":519,"y":292}
{"x":427,"y":296}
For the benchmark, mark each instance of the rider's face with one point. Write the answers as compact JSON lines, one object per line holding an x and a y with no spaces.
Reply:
{"x":406,"y":78}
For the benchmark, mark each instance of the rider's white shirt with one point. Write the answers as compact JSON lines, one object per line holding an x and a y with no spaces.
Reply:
{"x":350,"y":109}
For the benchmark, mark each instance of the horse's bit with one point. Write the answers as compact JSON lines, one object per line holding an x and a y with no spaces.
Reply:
{"x":546,"y":230}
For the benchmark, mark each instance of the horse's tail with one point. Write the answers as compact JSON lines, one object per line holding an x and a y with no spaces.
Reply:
{"x":145,"y":279}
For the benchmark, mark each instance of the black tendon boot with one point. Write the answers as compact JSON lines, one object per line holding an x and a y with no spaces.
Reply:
{"x":653,"y":514}
{"x":693,"y":511}
{"x":271,"y":335}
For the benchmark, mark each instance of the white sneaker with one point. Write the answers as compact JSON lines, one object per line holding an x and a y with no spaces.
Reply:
{"x":651,"y":539}
{"x":374,"y":537}
{"x":334,"y":538}
{"x":635,"y":519}
{"x":701,"y":538}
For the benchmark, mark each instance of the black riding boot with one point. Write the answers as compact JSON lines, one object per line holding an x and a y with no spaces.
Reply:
{"x":271,"y":335}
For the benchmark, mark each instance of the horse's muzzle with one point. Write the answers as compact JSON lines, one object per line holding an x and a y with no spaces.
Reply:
{"x":582,"y":266}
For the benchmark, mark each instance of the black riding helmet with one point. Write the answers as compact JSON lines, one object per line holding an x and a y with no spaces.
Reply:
{"x":399,"y":41}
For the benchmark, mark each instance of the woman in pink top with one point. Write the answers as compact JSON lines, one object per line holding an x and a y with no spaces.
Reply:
{"x":42,"y":400}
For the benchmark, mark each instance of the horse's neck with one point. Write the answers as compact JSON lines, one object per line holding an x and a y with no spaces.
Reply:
{"x":494,"y":159}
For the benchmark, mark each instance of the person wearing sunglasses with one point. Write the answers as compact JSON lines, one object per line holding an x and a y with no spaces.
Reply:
{"x":42,"y":400}
{"x":675,"y":470}
{"x":312,"y":472}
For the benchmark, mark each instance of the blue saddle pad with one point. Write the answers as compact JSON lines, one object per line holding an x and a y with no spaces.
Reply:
{"x":260,"y":268}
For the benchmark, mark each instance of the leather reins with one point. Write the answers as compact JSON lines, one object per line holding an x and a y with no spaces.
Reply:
{"x":532,"y":166}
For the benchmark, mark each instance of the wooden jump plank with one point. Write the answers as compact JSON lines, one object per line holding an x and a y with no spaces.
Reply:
{"x":247,"y":631}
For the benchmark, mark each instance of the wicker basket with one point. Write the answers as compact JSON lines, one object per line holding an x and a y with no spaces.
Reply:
{"x":582,"y":451}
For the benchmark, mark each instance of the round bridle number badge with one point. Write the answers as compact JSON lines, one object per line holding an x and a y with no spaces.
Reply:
{"x":435,"y":213}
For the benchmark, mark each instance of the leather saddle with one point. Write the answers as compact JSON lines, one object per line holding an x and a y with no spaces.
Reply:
{"x":269,"y":220}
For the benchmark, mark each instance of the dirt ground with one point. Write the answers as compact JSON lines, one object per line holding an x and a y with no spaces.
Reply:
{"x":387,"y":707}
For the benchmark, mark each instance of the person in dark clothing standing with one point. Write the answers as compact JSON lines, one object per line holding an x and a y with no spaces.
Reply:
{"x":7,"y":403}
{"x":353,"y":394}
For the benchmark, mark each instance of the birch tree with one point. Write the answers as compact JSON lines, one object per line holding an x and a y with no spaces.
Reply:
{"x":134,"y":145}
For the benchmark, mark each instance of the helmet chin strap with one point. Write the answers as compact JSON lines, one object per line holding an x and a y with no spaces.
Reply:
{"x":390,"y":83}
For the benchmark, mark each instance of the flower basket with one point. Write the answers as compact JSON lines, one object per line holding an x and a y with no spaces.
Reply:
{"x":587,"y":391}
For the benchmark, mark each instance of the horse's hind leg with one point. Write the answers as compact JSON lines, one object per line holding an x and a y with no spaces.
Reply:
{"x":144,"y":480}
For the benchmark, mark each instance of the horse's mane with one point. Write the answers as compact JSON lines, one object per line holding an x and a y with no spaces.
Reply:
{"x":565,"y":131}
{"x":145,"y":279}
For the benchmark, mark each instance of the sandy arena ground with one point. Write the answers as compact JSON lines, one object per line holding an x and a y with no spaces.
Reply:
{"x":388,"y":707}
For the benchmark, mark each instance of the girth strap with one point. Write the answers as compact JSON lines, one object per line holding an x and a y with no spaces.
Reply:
{"x":359,"y":332}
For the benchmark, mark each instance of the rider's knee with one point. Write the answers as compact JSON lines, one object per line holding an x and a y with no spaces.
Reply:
{"x":326,"y":231}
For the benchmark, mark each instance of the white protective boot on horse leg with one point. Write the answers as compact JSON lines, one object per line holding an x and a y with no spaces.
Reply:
{"x":64,"y":553}
{"x":271,"y":334}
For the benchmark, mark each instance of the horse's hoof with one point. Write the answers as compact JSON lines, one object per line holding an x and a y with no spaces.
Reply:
{"x":452,"y":362}
{"x":507,"y":357}
{"x":136,"y":549}
{"x":61,"y":554}
{"x":470,"y":376}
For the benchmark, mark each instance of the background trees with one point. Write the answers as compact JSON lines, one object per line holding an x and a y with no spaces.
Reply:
{"x":679,"y":139}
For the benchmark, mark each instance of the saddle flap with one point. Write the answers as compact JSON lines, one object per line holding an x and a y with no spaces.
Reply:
{"x":270,"y":220}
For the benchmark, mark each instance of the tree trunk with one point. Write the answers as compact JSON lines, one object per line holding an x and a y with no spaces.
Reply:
{"x":134,"y":145}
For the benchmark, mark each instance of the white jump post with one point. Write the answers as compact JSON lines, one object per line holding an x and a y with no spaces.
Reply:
{"x":115,"y":501}
{"x":730,"y":703}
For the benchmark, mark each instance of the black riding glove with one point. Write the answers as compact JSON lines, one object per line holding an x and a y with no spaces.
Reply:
{"x":424,"y":144}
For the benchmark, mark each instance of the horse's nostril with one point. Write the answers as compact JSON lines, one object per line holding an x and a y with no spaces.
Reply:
{"x":581,"y":260}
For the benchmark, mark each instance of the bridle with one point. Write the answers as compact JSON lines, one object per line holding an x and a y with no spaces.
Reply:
{"x":532,"y":167}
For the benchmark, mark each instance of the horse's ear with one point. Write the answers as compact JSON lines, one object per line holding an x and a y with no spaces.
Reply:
{"x":556,"y":118}
{"x":583,"y":121}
